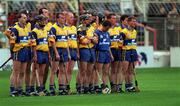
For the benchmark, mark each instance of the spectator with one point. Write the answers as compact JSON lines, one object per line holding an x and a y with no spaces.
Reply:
{"x":173,"y":13}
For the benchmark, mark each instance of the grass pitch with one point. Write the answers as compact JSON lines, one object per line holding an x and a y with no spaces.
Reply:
{"x":159,"y":87}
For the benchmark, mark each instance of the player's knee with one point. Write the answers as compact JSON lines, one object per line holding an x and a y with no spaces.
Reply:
{"x":123,"y":73}
{"x":21,"y":74}
{"x":113,"y":72}
{"x":105,"y":73}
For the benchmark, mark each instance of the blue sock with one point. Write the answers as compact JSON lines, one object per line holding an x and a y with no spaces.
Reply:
{"x":131,"y":84}
{"x":61,"y":87}
{"x":28,"y":89}
{"x":20,"y":90}
{"x":86,"y":89}
{"x":12,"y":89}
{"x":91,"y":86}
{"x":38,"y":89}
{"x":32,"y":89}
{"x":96,"y":87}
{"x":51,"y":87}
{"x":42,"y":87}
{"x":119,"y":86}
{"x":128,"y":85}
{"x":114,"y":85}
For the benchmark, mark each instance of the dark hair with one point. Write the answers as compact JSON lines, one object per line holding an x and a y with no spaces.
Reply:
{"x":21,"y":12}
{"x":39,"y":18}
{"x":110,"y":15}
{"x":123,"y":17}
{"x":18,"y":15}
{"x":60,"y":13}
{"x":84,"y":17}
{"x":106,"y":23}
{"x":131,"y":18}
{"x":41,"y":10}
{"x":101,"y":17}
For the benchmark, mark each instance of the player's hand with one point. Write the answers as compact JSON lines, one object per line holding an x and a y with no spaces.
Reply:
{"x":95,"y":39}
{"x":69,"y":57}
{"x":112,"y":58}
{"x":86,"y":41}
{"x":32,"y":42}
{"x":8,"y":33}
{"x":12,"y":40}
{"x":57,"y":57}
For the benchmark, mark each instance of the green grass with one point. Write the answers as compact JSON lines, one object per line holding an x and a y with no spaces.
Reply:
{"x":159,"y":87}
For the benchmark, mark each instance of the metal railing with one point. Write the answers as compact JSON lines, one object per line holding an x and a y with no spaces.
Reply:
{"x":168,"y":32}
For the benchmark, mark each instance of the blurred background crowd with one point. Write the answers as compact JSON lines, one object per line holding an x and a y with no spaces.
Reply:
{"x":163,"y":15}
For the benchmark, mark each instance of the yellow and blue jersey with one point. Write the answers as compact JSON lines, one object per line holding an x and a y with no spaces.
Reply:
{"x":22,"y":39}
{"x":72,"y":36}
{"x":58,"y":34}
{"x":129,"y":37}
{"x":9,"y":34}
{"x":86,"y":33}
{"x":115,"y":37}
{"x":48,"y":26}
{"x":103,"y":41}
{"x":28,"y":25}
{"x":40,"y":38}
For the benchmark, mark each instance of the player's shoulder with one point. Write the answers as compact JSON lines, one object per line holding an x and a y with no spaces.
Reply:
{"x":50,"y":24}
{"x":134,"y":30}
{"x":54,"y":25}
{"x":16,"y":26}
{"x":124,"y":30}
{"x":74,"y":27}
{"x":119,"y":27}
{"x":28,"y":24}
{"x":97,"y":31}
{"x":35,"y":30}
{"x":66,"y":27}
{"x":91,"y":28}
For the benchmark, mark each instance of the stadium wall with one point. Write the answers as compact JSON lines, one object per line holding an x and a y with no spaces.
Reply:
{"x":147,"y":57}
{"x":174,"y":56}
